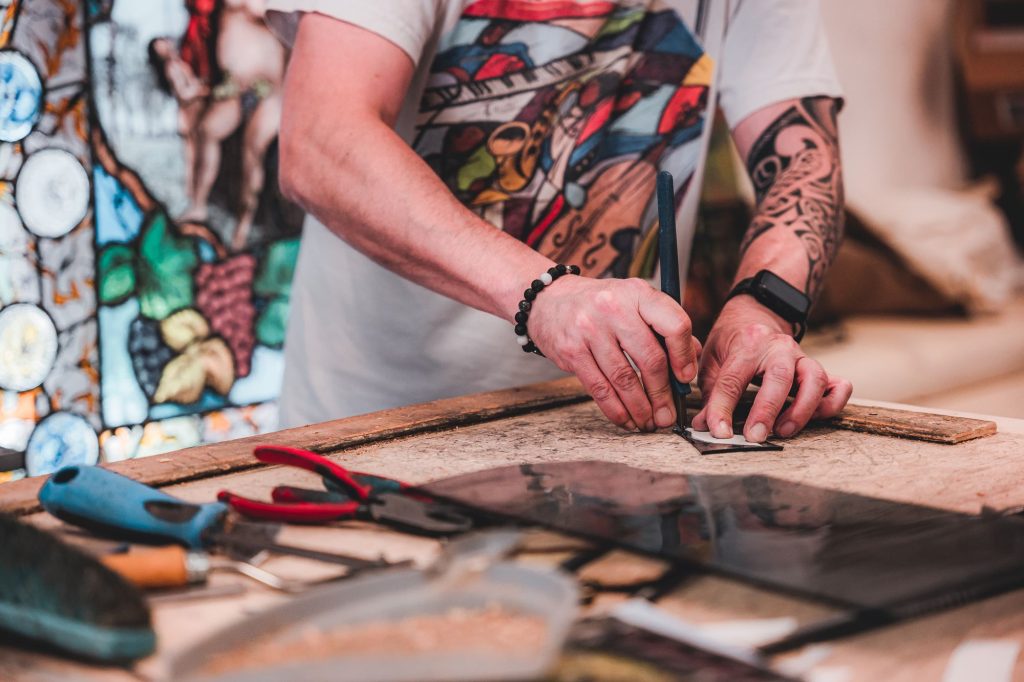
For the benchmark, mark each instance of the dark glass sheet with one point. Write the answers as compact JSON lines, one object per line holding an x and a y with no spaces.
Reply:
{"x":850,"y":550}
{"x":637,"y":652}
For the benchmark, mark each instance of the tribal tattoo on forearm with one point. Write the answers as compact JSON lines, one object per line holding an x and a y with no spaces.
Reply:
{"x":794,"y":166}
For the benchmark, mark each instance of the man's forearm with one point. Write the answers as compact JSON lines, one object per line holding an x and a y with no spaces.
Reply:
{"x":343,"y":162}
{"x":792,"y":154}
{"x":396,"y":211}
{"x":793,"y":161}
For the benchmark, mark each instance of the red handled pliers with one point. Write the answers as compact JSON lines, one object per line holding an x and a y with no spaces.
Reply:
{"x":349,"y":495}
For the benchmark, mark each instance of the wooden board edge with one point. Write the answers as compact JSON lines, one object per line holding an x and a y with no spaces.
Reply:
{"x":203,"y":461}
{"x":912,"y":424}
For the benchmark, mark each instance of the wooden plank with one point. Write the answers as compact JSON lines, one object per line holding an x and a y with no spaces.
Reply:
{"x":19,"y":497}
{"x":887,"y":421}
{"x":934,"y":428}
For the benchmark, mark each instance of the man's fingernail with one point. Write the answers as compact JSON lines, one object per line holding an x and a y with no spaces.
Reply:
{"x":630,"y":426}
{"x":649,"y":426}
{"x":663,"y":417}
{"x":722,"y":429}
{"x":787,"y":429}
{"x":689,"y":373}
{"x":758,"y":433}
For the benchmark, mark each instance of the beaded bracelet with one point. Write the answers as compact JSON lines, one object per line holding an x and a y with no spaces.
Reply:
{"x":553,"y":273}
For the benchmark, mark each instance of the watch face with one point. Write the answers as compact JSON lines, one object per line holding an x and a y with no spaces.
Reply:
{"x":784,"y":294}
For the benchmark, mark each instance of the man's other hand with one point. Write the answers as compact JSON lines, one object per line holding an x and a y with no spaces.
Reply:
{"x":749,"y":341}
{"x":588,"y":326}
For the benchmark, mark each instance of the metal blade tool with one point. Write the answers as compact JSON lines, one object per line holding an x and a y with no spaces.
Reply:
{"x":110,"y":504}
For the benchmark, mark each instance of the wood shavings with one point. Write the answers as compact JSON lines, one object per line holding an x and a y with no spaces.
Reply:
{"x":621,"y":569}
{"x":538,"y":541}
{"x":493,"y":629}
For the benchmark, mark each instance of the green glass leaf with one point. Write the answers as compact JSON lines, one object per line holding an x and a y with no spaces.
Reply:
{"x":116,"y":270}
{"x":274,"y":277}
{"x":271,"y":325}
{"x":480,"y":165}
{"x":166,"y":263}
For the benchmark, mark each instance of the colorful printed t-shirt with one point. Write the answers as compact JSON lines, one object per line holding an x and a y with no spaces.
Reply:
{"x":550,"y":119}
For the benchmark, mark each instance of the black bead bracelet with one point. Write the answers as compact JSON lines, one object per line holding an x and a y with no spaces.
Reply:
{"x":536,"y":286}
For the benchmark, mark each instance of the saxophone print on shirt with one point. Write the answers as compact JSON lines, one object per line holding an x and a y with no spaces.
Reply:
{"x":551,"y":119}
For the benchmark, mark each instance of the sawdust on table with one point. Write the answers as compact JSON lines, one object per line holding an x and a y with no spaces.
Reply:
{"x":491,"y":629}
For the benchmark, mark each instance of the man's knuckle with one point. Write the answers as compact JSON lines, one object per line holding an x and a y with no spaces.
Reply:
{"x":780,"y":374}
{"x":606,"y":302}
{"x":624,"y":378}
{"x":679,"y":326}
{"x":601,"y":391}
{"x":585,"y":325}
{"x":651,"y":359}
{"x":638,"y":285}
{"x":657,"y":391}
{"x":731,"y":385}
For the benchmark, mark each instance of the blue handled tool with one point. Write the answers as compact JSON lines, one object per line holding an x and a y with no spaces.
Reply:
{"x":668,"y":256}
{"x":111,"y":504}
{"x":114,"y":505}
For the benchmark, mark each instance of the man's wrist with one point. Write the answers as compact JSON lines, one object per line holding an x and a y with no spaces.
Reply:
{"x":513,"y":284}
{"x":745,"y":309}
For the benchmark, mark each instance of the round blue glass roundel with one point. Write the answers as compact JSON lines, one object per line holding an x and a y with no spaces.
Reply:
{"x":21,"y":95}
{"x":61,"y":439}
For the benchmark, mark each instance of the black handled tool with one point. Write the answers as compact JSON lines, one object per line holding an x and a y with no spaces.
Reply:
{"x":668,"y":257}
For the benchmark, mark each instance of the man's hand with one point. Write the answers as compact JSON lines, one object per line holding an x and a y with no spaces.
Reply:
{"x":588,"y":327}
{"x":791,"y":150}
{"x":749,"y":341}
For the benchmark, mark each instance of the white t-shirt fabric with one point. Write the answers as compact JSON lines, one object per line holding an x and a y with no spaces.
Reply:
{"x":550,"y":119}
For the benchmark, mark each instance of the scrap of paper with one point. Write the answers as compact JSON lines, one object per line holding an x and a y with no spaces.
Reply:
{"x":992,"y":660}
{"x":706,"y":437}
{"x":750,"y":632}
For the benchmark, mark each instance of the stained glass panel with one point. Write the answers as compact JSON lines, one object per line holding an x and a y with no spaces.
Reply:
{"x":146,"y":253}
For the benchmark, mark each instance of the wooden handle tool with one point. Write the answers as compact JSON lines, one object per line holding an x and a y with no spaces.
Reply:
{"x":170,"y":566}
{"x":174,"y":566}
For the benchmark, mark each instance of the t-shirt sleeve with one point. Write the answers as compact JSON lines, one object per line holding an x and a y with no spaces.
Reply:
{"x":774,"y":50}
{"x":409,"y":24}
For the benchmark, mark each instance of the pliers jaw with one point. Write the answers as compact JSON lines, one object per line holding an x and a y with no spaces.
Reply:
{"x":424,"y":518}
{"x":348,"y":495}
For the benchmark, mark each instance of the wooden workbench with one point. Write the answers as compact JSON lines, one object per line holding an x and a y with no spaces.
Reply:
{"x":556,"y":422}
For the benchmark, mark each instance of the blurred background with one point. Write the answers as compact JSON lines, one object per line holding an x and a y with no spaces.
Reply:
{"x":144,"y":294}
{"x":925,"y":303}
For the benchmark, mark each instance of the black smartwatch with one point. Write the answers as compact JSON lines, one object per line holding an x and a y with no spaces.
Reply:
{"x":779,"y":296}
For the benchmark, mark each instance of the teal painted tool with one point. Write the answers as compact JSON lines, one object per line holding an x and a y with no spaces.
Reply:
{"x":53,"y":593}
{"x":114,"y":505}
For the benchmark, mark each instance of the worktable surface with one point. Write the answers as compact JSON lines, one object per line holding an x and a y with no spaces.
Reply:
{"x":555,"y":422}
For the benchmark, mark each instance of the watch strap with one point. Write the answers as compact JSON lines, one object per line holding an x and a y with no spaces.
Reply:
{"x":749,"y":287}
